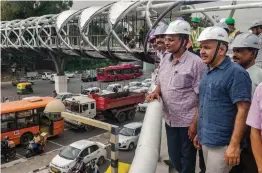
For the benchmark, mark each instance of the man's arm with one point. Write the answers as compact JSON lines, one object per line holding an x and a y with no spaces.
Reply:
{"x":256,"y":143}
{"x":240,"y":123}
{"x":232,"y":155}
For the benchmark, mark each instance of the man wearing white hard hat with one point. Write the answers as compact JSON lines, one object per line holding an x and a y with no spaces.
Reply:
{"x":177,"y":84}
{"x":256,"y":28}
{"x":245,"y":49}
{"x":224,"y":100}
{"x":160,"y":40}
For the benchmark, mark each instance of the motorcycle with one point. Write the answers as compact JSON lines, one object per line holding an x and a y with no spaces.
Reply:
{"x":10,"y":153}
{"x":90,"y":167}
{"x":31,"y":150}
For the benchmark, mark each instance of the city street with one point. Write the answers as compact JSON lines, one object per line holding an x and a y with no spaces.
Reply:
{"x":43,"y":88}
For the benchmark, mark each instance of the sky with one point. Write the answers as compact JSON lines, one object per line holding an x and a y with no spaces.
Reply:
{"x":243,"y":17}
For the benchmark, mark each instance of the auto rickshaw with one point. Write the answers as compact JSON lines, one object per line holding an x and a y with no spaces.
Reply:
{"x":24,"y":88}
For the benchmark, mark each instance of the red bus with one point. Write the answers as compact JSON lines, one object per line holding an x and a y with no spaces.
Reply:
{"x":21,"y":119}
{"x":119,"y":72}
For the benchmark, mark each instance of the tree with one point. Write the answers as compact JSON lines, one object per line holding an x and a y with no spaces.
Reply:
{"x":11,"y":10}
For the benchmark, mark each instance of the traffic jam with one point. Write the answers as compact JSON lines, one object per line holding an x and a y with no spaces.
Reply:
{"x":28,"y":127}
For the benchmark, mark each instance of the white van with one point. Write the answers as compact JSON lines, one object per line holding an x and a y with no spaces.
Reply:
{"x":46,"y":75}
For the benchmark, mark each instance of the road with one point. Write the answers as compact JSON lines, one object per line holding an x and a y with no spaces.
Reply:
{"x":43,"y":88}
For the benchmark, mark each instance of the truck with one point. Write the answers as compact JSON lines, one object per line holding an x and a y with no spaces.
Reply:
{"x":89,"y":76}
{"x":120,"y":106}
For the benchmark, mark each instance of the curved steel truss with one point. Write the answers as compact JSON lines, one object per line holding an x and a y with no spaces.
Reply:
{"x":97,"y":31}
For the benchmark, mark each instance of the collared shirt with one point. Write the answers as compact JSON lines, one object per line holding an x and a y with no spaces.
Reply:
{"x":179,"y":83}
{"x":255,"y":74}
{"x":259,"y":55}
{"x":220,"y":90}
{"x":254,"y":118}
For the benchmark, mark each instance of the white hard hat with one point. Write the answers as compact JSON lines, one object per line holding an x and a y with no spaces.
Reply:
{"x":256,"y":24}
{"x":178,"y":27}
{"x":214,"y":33}
{"x":246,"y":40}
{"x":222,"y":25}
{"x":160,"y":30}
{"x":223,"y":20}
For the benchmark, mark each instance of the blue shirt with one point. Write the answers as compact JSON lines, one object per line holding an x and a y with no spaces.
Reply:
{"x":220,"y":90}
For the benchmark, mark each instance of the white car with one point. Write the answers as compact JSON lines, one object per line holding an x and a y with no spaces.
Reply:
{"x":132,"y":86}
{"x":148,"y":80}
{"x":88,"y":91}
{"x":63,"y":95}
{"x":66,"y":159}
{"x":129,"y":135}
{"x":143,"y":89}
{"x":109,"y":88}
{"x":70,"y":75}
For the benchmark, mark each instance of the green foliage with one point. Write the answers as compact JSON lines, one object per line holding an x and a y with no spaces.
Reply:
{"x":11,"y":10}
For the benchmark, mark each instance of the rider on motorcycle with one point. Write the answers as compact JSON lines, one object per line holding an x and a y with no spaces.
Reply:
{"x":5,"y":147}
{"x":37,"y":140}
{"x":80,"y":165}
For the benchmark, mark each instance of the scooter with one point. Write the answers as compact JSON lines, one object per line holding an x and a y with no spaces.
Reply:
{"x":31,"y":150}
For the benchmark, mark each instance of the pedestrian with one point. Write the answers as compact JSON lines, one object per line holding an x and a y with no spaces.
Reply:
{"x":160,"y":41}
{"x":54,"y":93}
{"x":256,"y":28}
{"x":177,"y":83}
{"x":224,"y":99}
{"x":195,"y":32}
{"x":254,"y":120}
{"x":233,"y":32}
{"x":245,"y":49}
{"x":6,"y":100}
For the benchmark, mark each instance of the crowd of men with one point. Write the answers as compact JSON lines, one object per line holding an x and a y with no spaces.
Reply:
{"x":212,"y":102}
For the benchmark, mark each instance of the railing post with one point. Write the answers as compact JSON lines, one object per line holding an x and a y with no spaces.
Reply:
{"x":114,"y":148}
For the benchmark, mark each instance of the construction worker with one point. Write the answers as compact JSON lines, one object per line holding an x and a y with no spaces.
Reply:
{"x":245,"y":48}
{"x":256,"y":28}
{"x":233,"y":32}
{"x":224,"y":99}
{"x":195,"y":32}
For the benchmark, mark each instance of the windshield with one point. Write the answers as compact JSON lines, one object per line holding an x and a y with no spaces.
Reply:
{"x":110,"y":88}
{"x":126,"y":131}
{"x":59,"y":96}
{"x":86,"y":92}
{"x":147,"y":84}
{"x":69,"y":153}
{"x":100,"y":71}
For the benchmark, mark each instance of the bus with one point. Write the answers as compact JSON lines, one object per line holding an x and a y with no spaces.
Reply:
{"x":119,"y":72}
{"x":21,"y":119}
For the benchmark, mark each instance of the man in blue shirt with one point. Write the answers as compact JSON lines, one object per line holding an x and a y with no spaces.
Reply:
{"x":224,"y":100}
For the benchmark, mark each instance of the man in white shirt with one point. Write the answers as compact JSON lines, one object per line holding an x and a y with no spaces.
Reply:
{"x":245,"y":49}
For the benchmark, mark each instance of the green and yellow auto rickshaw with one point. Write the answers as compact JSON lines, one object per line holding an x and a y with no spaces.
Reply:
{"x":24,"y":88}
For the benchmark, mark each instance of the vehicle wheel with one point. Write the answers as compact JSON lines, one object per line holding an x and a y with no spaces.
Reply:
{"x":26,"y":138}
{"x":12,"y":153}
{"x":131,"y":115}
{"x":121,"y":117}
{"x":28,"y":153}
{"x":131,"y":146}
{"x":101,"y":160}
{"x":88,"y":127}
